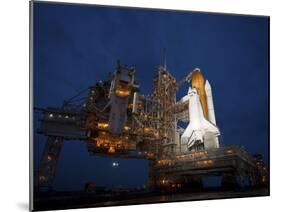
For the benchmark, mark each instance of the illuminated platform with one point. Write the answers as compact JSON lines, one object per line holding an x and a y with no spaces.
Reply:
{"x":232,"y":163}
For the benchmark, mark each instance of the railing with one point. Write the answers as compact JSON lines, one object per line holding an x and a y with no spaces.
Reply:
{"x":208,"y":156}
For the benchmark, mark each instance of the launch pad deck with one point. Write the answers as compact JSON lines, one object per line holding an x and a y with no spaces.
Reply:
{"x":232,"y":163}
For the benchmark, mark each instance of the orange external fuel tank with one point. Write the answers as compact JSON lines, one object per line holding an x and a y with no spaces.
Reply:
{"x":198,"y":82}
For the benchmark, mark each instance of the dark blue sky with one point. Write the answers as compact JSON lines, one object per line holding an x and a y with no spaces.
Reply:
{"x":76,"y":45}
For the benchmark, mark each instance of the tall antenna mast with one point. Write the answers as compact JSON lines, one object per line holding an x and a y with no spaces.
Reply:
{"x":164,"y":58}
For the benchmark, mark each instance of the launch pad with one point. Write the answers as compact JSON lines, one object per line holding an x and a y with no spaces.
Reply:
{"x":236,"y":167}
{"x":114,"y":119}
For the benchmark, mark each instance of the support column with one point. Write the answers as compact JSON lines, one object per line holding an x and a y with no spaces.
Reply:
{"x":193,"y":182}
{"x":229,"y":181}
{"x":49,"y":162}
{"x":152,"y":178}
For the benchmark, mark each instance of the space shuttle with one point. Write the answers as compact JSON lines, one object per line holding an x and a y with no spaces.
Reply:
{"x":201,"y":132}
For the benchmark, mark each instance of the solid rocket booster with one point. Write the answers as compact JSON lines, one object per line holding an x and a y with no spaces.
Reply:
{"x":210,"y":104}
{"x":211,"y":109}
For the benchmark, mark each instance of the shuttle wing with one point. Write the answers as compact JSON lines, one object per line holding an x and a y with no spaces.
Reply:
{"x":209,"y":127}
{"x":187,"y":134}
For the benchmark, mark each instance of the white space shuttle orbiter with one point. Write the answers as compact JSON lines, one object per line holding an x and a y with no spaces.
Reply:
{"x":201,"y":133}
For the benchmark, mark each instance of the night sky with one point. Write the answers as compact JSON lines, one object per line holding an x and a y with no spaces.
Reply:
{"x":77,"y":45}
